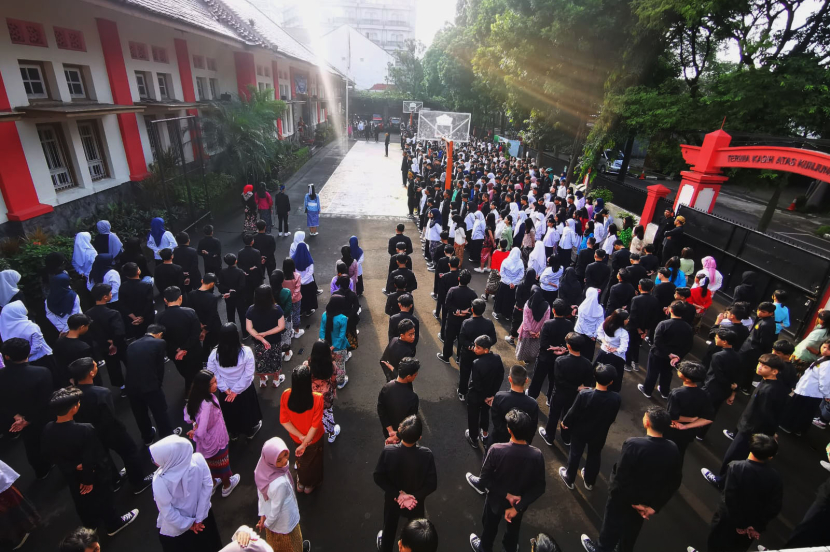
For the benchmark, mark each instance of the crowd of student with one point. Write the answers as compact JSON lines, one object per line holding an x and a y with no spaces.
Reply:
{"x":566,"y":278}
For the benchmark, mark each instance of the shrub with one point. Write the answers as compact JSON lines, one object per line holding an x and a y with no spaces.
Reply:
{"x":606,"y":194}
{"x":822,"y":230}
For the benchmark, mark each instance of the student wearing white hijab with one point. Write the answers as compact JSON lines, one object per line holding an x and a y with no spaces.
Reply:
{"x":83,"y":255}
{"x":182,"y":486}
{"x":9,"y":290}
{"x":590,"y":315}
{"x":512,"y":273}
{"x":299,"y":237}
{"x":14,"y":322}
{"x":537,"y":260}
{"x":107,"y":241}
{"x":568,"y":243}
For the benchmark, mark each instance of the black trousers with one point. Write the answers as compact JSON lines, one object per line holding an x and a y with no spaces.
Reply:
{"x":113,"y":362}
{"x":386,"y":145}
{"x":206,"y":540}
{"x":544,"y":369}
{"x":475,"y":251}
{"x":478,"y":417}
{"x":738,"y":450}
{"x":560,"y":403}
{"x":282,"y":222}
{"x":723,"y":536}
{"x":403,"y":177}
{"x":234,"y":307}
{"x":621,"y":526}
{"x":515,"y":322}
{"x":658,"y":368}
{"x":392,"y":513}
{"x":451,"y":330}
{"x":124,"y":446}
{"x":799,"y":414}
{"x":145,"y":403}
{"x":189,"y":366}
{"x":490,"y":520}
{"x":813,"y":529}
{"x":34,"y":455}
{"x":749,"y":361}
{"x":634,"y":341}
{"x":592,"y":461}
{"x":465,"y":367}
{"x":96,"y":506}
{"x":618,"y":363}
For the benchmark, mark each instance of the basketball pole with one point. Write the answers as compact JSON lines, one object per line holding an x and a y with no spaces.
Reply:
{"x":448,"y":179}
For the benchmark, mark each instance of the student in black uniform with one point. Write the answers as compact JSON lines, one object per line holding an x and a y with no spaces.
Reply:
{"x":673,"y":340}
{"x":442,"y":266}
{"x":167,"y":273}
{"x":282,"y":205}
{"x":643,"y":480}
{"x":751,"y":498}
{"x":636,"y":272}
{"x":406,"y":473}
{"x":664,"y":288}
{"x":505,"y":401}
{"x":251,"y":262}
{"x":514,"y":476}
{"x":206,"y":304}
{"x":97,"y":409}
{"x":459,"y":308}
{"x":266,"y":245}
{"x":760,"y":341}
{"x":722,"y":375}
{"x":187,"y":258}
{"x":211,"y":251}
{"x":182,"y":335}
{"x":145,"y":376}
{"x":397,"y":400}
{"x":642,"y":320}
{"x":231,"y":286}
{"x":447,"y":281}
{"x":70,"y":347}
{"x":486,"y":377}
{"x":585,"y":257}
{"x":393,"y":265}
{"x":620,"y":294}
{"x":551,"y":346}
{"x":729,"y":319}
{"x":24,"y":409}
{"x":108,"y":335}
{"x":688,"y":311}
{"x":649,"y":261}
{"x":409,"y":276}
{"x":689,"y":406}
{"x":814,"y":529}
{"x":398,"y":348}
{"x":69,"y":445}
{"x":588,"y":422}
{"x":762,"y":414}
{"x":392,"y":299}
{"x":471,"y":329}
{"x":571,"y":373}
{"x":135,"y":301}
{"x":784,"y":350}
{"x":598,"y":272}
{"x":398,"y":238}
{"x":405,"y":307}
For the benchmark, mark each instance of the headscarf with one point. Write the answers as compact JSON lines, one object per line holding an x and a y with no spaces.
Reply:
{"x":157,"y":230}
{"x":570,"y":288}
{"x":537,"y":303}
{"x":54,"y":263}
{"x":710,"y":265}
{"x":519,"y":224}
{"x":512,"y":268}
{"x":84,"y":253}
{"x":569,"y":238}
{"x":599,"y":204}
{"x":8,"y":286}
{"x":336,"y":306}
{"x":299,"y":237}
{"x":514,"y":210}
{"x":525,"y":289}
{"x":266,"y":472}
{"x":537,"y":260}
{"x":177,"y":473}
{"x":590,"y":314}
{"x":248,"y":191}
{"x":302,"y":257}
{"x":436,"y":217}
{"x":61,"y":298}
{"x":14,"y":322}
{"x":115,"y":245}
{"x":357,"y":252}
{"x":102,"y":265}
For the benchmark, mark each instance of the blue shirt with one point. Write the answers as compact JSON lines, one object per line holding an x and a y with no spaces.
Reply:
{"x":782,"y":317}
{"x":311,"y":205}
{"x":338,"y":332}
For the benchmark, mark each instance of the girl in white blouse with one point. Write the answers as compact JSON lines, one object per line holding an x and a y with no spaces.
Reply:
{"x":279,"y":514}
{"x":614,"y":339}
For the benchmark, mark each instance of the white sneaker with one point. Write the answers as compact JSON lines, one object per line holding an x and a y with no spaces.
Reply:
{"x":825,"y":464}
{"x":298,"y":334}
{"x":287,"y":356}
{"x":349,"y":357}
{"x":333,"y":436}
{"x":345,"y":381}
{"x":277,"y":382}
{"x":234,"y":482}
{"x":263,"y":382}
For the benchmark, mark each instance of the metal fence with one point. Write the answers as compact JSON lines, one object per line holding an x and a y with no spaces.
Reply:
{"x":626,"y":196}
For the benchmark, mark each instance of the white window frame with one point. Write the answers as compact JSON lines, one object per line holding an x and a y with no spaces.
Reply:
{"x":164,"y":86}
{"x":67,"y":69}
{"x":201,"y":88}
{"x":141,"y":82}
{"x":213,"y":84}
{"x":54,"y":152}
{"x":93,"y":146}
{"x":28,"y":80}
{"x":283,"y":91}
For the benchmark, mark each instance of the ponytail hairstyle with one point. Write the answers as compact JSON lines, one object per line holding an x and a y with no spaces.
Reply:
{"x":703,"y":283}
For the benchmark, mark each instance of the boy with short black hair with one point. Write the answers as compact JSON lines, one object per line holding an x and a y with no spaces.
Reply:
{"x":551,"y":346}
{"x":405,"y":305}
{"x":187,"y":258}
{"x":505,"y":401}
{"x":760,"y":340}
{"x":571,"y":374}
{"x":135,"y":301}
{"x":722,"y":375}
{"x":419,"y":535}
{"x":108,"y":334}
{"x":182,"y":335}
{"x":72,"y":445}
{"x":398,"y":348}
{"x":643,"y":319}
{"x":81,"y":539}
{"x":211,"y":250}
{"x":673,"y":339}
{"x":471,"y":329}
{"x":784,"y":350}
{"x":392,"y":299}
{"x":397,"y":400}
{"x":70,"y":347}
{"x":265,"y":243}
{"x":689,"y":405}
{"x":167,"y":273}
{"x":231,"y":284}
{"x":486,"y":376}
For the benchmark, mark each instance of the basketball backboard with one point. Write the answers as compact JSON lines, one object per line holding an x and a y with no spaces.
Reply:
{"x":412,"y":106}
{"x":436,"y":125}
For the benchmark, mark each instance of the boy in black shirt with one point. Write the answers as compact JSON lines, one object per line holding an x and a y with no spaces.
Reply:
{"x":571,"y":373}
{"x":266,"y":245}
{"x":645,"y":314}
{"x":761,"y":415}
{"x":411,"y":284}
{"x":282,"y":206}
{"x":673,"y":339}
{"x":187,"y":258}
{"x":405,"y":306}
{"x":551,"y":346}
{"x":182,"y":335}
{"x":399,"y":348}
{"x":760,"y":341}
{"x":393,"y":265}
{"x":588,"y":421}
{"x":71,"y":445}
{"x":211,"y":251}
{"x":392,"y":300}
{"x":231,"y":285}
{"x":649,"y":261}
{"x":135,"y":301}
{"x":486,"y":377}
{"x":471,"y":329}
{"x":406,"y":473}
{"x":397,"y":400}
{"x":664,"y":288}
{"x":505,"y":401}
{"x":447,"y":281}
{"x":687,"y":310}
{"x":689,"y":406}
{"x":459,"y":305}
{"x":168,"y":274}
{"x":70,"y":347}
{"x":251,"y":263}
{"x":97,"y":409}
{"x":722,"y":376}
{"x":729,"y":319}
{"x":206,"y":305}
{"x":108,"y":334}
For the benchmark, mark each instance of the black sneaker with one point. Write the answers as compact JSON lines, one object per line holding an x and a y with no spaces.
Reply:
{"x":563,"y":474}
{"x":440,"y":337}
{"x":544,"y":435}
{"x":475,"y":542}
{"x":588,"y":544}
{"x":461,"y":397}
{"x":473,"y":442}
{"x":126,"y":519}
{"x":475,"y":483}
{"x":151,"y":440}
{"x":442,"y":359}
{"x":380,"y":538}
{"x":123,"y":392}
{"x":145,"y":484}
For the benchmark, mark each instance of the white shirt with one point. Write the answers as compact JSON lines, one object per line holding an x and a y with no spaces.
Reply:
{"x":360,"y":265}
{"x":551,"y":237}
{"x":280,"y":509}
{"x":175,"y":519}
{"x":113,"y":278}
{"x":619,"y":340}
{"x":434,"y":232}
{"x":715,"y":284}
{"x":307,"y":275}
{"x":167,"y":242}
{"x":815,"y":382}
{"x":7,"y":476}
{"x":61,"y":322}
{"x":234,"y":378}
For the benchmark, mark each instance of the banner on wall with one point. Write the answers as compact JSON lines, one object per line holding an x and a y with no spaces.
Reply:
{"x":300,"y":84}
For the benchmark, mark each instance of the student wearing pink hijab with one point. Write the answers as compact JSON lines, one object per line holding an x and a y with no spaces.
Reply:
{"x":710,"y":271}
{"x":279,"y":515}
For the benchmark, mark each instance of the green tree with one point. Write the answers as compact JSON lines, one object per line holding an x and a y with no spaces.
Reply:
{"x":407,"y":73}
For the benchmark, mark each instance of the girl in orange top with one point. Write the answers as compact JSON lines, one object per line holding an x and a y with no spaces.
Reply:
{"x":301,"y":414}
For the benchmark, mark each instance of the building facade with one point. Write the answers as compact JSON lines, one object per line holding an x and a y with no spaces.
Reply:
{"x":350,"y":52}
{"x":81,"y":82}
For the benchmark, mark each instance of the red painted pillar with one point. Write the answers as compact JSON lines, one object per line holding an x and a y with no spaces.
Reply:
{"x":16,"y":183}
{"x":276,"y":76}
{"x":655,"y":192}
{"x":188,"y":91}
{"x":448,"y":179}
{"x":245,"y":72}
{"x":120,"y":88}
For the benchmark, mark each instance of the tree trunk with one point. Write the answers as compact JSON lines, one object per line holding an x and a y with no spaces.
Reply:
{"x":572,"y":161}
{"x":629,"y":146}
{"x":766,"y":218}
{"x":539,"y":156}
